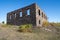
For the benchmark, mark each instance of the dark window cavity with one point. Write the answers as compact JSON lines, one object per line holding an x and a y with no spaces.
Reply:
{"x":42,"y":14}
{"x":39,"y":21}
{"x":39,"y":12}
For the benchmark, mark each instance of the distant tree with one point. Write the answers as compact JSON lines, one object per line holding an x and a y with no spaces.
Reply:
{"x":2,"y":22}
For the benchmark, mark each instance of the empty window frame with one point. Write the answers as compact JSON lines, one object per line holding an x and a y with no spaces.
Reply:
{"x":10,"y":17}
{"x":28,"y":12}
{"x":42,"y":14}
{"x":39,"y":21}
{"x":39,"y":12}
{"x":20,"y":14}
{"x":15,"y":15}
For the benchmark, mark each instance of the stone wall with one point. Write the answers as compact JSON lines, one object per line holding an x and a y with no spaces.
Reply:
{"x":34,"y":17}
{"x":15,"y":19}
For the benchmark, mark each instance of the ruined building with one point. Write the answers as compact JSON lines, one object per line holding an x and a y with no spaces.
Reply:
{"x":31,"y":14}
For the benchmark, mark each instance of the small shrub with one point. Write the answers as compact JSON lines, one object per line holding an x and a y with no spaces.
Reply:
{"x":25,"y":28}
{"x":45,"y":23}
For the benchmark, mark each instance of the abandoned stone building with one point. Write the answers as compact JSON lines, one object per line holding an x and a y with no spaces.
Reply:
{"x":31,"y":14}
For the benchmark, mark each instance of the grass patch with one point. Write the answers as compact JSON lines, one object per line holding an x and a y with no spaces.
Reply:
{"x":25,"y":28}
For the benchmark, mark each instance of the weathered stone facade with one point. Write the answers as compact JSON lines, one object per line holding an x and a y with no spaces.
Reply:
{"x":31,"y":14}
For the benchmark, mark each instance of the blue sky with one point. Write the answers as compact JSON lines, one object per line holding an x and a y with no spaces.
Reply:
{"x":50,"y":7}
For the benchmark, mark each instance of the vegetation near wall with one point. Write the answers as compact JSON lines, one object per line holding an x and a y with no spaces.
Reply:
{"x":45,"y":23}
{"x":25,"y":28}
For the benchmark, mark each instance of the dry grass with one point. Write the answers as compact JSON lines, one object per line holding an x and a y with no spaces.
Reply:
{"x":11,"y":33}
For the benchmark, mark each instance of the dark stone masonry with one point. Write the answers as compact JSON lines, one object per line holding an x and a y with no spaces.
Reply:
{"x":31,"y":14}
